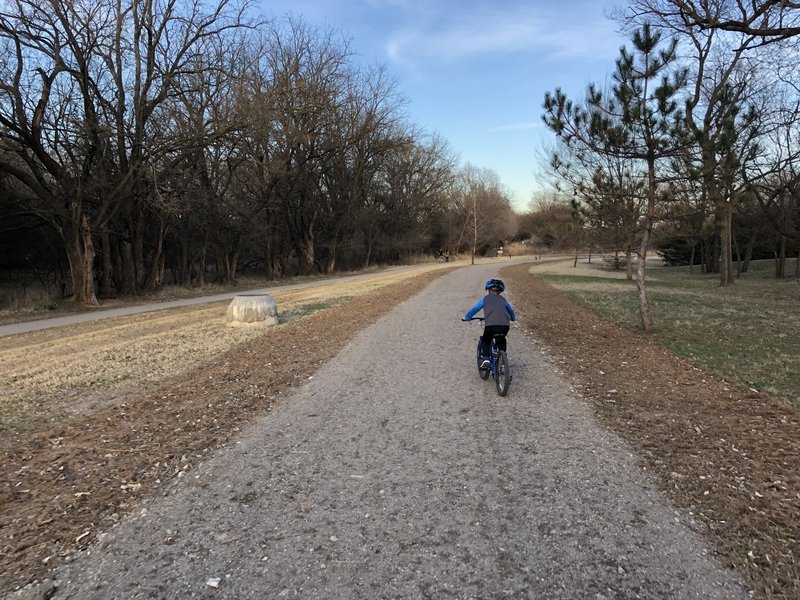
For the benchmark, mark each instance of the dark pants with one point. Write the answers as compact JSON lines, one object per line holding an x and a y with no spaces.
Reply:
{"x":493,"y":331}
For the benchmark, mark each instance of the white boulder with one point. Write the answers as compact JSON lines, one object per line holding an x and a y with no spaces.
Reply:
{"x":252,"y":310}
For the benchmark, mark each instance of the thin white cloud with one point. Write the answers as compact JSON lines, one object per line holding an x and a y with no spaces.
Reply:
{"x":407,"y":4}
{"x":481,"y":31}
{"x":516,"y":127}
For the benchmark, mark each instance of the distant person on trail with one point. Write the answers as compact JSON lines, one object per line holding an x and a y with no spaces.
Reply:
{"x":497,"y":313}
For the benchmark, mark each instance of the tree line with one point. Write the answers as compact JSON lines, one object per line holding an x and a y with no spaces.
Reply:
{"x":146,"y":141}
{"x":693,"y":143}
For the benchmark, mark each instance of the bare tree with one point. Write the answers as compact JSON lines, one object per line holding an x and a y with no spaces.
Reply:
{"x":486,"y":209}
{"x":716,"y":109}
{"x":609,"y":196}
{"x":81,"y":83}
{"x":309,"y":72}
{"x":49,"y":122}
{"x":770,"y":20}
{"x":367,"y":136}
{"x":773,"y":179}
{"x":179,"y":49}
{"x":411,"y":190}
{"x":551,"y":218}
{"x":170,"y":133}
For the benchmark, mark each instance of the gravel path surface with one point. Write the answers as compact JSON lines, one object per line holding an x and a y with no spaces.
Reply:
{"x":397,"y":473}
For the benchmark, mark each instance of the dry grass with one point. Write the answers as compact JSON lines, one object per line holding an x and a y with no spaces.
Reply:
{"x":748,"y":331}
{"x":53,"y":374}
{"x":67,"y":482}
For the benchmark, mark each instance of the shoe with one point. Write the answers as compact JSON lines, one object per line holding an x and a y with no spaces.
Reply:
{"x":485,"y":364}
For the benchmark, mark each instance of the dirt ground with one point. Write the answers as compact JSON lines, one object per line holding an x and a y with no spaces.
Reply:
{"x":81,"y":368}
{"x":725,"y":453}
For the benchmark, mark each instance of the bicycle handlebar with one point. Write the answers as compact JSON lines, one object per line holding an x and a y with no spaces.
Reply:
{"x":474,"y":319}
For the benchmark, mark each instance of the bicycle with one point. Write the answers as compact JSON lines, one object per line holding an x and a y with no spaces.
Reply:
{"x":498,"y":368}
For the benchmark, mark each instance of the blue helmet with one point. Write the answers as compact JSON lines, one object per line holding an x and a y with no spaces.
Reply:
{"x":495,"y":284}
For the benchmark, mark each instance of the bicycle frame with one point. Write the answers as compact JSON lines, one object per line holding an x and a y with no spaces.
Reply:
{"x":493,"y":356}
{"x":501,"y":379}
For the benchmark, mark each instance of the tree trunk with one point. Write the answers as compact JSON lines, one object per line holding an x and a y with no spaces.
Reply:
{"x":80,"y":252}
{"x":474,"y":236}
{"x":628,"y":264}
{"x":748,"y":251}
{"x":644,"y":303}
{"x":725,"y":262}
{"x":77,"y":235}
{"x":76,"y":232}
{"x":233,"y":264}
{"x":269,"y":258}
{"x":370,"y":242}
{"x":330,"y":261}
{"x":128,"y":272}
{"x":222,"y":267}
{"x":797,"y":266}
{"x":154,"y":277}
{"x":88,"y":294}
{"x":705,"y":256}
{"x":268,"y":270}
{"x":108,"y":270}
{"x":138,"y":246}
{"x":279,"y":265}
{"x":226,"y":265}
{"x":201,"y":274}
{"x":780,"y":259}
{"x":738,"y":254}
{"x":307,"y":255}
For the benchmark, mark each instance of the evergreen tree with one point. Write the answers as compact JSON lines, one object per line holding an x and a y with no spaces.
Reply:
{"x":638,"y":120}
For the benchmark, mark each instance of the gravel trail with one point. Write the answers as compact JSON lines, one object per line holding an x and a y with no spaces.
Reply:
{"x":397,"y":473}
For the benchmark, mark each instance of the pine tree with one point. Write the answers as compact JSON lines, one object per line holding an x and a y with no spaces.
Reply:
{"x":638,"y":120}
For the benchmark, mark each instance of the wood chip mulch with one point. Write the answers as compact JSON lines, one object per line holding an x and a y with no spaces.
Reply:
{"x":725,"y":453}
{"x":728,"y":455}
{"x":71,"y":482}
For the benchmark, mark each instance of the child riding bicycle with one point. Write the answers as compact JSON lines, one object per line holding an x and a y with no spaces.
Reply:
{"x":497,"y":313}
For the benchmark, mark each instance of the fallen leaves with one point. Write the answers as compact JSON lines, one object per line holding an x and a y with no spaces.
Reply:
{"x":712,"y":442}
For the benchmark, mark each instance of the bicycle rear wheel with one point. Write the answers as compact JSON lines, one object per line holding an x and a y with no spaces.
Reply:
{"x":484,"y":373}
{"x":502,"y":377}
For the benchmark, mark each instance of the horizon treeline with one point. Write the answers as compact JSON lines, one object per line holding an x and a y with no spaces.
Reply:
{"x":180,"y":141}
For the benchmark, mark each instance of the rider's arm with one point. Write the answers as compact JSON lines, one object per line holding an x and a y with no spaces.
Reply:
{"x":511,"y":314}
{"x":474,"y":310}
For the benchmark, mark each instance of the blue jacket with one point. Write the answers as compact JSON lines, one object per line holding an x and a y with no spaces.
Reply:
{"x":496,"y":310}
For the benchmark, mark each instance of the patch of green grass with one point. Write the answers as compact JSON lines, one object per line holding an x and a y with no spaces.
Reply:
{"x":614,"y":299}
{"x":568,"y":279}
{"x":749,"y":331}
{"x":310,"y":308}
{"x":50,"y":306}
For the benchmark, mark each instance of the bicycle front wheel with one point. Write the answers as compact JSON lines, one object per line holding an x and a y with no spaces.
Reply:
{"x":502,"y":377}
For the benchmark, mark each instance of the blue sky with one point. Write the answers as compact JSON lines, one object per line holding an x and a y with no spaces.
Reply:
{"x":475,"y":71}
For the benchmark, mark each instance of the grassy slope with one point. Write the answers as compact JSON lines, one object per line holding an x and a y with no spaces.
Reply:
{"x":749,"y":331}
